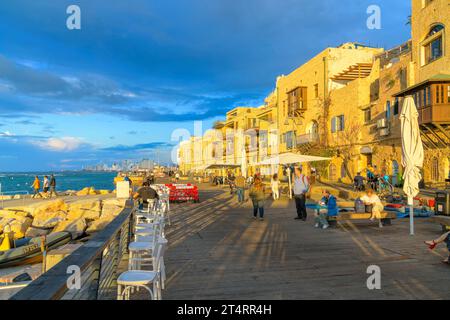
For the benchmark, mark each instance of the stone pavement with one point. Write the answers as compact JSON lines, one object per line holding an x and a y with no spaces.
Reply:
{"x":217,"y":251}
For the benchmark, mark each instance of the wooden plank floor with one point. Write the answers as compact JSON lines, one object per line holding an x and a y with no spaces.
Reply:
{"x":217,"y":251}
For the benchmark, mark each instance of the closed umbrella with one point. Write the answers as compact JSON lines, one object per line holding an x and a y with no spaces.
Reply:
{"x":412,"y":154}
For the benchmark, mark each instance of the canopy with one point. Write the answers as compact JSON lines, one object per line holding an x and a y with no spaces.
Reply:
{"x":290,"y":158}
{"x":222,"y":166}
{"x":412,"y":153}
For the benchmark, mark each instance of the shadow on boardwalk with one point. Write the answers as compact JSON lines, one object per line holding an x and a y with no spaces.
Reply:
{"x":217,"y":251}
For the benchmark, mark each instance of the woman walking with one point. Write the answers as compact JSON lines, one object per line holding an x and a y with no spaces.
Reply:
{"x":275,"y":185}
{"x":257,"y":196}
{"x":36,"y":187}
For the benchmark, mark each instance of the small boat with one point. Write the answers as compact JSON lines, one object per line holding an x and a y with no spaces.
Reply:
{"x":29,"y":250}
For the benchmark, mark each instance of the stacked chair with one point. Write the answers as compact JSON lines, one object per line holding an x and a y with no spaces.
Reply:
{"x":146,"y":268}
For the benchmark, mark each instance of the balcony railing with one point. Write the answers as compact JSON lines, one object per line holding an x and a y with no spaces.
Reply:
{"x":437,"y":113}
{"x":309,"y":138}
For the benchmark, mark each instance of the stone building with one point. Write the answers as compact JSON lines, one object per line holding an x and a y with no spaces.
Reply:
{"x":345,"y":103}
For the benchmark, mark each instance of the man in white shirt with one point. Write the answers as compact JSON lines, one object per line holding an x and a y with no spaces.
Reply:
{"x":301,"y":187}
{"x":377,"y":207}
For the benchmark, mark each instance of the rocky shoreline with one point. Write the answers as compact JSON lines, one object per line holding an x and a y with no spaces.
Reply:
{"x":79,"y":217}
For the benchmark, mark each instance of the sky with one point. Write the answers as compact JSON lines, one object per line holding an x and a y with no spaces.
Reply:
{"x":139,"y":69}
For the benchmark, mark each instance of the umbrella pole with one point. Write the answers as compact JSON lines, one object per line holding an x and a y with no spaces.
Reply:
{"x":290,"y":185}
{"x":411,"y":215}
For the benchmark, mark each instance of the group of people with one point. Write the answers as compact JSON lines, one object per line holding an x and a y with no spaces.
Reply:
{"x":301,"y":187}
{"x":48,"y":187}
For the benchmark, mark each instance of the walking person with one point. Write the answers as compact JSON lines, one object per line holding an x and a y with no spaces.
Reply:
{"x":257,"y":195}
{"x":46,"y":186}
{"x":275,"y":185}
{"x":36,"y":187}
{"x":53,"y":186}
{"x":240,"y":188}
{"x":301,"y":188}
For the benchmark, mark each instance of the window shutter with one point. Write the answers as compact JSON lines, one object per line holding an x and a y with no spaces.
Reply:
{"x":333,"y":125}
{"x":342,"y":123}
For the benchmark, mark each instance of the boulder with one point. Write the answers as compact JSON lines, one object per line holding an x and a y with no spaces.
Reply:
{"x":49,"y":206}
{"x":49,"y":219}
{"x":87,"y":209}
{"x":75,"y":227}
{"x":84,"y":191}
{"x":12,"y":214}
{"x":112,"y":207}
{"x":104,"y":192}
{"x":36,"y":232}
{"x":114,"y":201}
{"x":24,"y":211}
{"x":92,"y":191}
{"x":4,"y":222}
{"x":99,"y":224}
{"x":6,"y":197}
{"x":20,"y":227}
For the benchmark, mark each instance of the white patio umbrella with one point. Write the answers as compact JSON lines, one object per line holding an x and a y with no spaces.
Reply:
{"x":290,"y":158}
{"x":412,"y":154}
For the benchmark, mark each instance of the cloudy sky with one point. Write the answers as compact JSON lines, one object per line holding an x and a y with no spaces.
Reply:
{"x":139,"y":69}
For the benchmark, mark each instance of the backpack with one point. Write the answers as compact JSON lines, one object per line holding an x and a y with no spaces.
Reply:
{"x":360,"y":207}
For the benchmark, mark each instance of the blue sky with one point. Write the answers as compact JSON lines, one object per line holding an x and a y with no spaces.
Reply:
{"x":139,"y":69}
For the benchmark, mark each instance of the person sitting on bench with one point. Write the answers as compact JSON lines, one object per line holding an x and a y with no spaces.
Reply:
{"x":371,"y":199}
{"x":329,"y":201}
{"x":444,"y":238}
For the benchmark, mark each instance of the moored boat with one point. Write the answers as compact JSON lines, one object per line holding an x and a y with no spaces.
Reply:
{"x":29,"y":250}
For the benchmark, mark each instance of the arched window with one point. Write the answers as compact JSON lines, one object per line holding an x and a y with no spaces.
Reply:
{"x":433,"y":45}
{"x":435,"y":170}
{"x":332,"y":175}
{"x":435,"y":29}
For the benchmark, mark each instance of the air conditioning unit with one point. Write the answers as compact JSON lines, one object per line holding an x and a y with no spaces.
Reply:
{"x":384,"y":132}
{"x":382,"y":123}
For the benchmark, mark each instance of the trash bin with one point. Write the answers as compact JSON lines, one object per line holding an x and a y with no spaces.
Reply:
{"x":442,"y":203}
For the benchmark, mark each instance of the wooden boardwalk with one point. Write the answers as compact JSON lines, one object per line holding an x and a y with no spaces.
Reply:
{"x":217,"y":251}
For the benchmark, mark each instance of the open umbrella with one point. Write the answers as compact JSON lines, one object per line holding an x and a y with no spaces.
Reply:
{"x":412,"y":154}
{"x":290,"y":158}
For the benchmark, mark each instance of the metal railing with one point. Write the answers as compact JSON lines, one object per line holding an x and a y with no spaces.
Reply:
{"x":307,"y":138}
{"x":98,"y":262}
{"x":13,"y":193}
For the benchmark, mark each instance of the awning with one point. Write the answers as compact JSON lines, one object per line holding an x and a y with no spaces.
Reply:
{"x":290,"y":158}
{"x":366,"y":150}
{"x":222,"y":166}
{"x":434,"y":79}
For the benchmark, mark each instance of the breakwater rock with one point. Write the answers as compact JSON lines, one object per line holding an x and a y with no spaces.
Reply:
{"x":78,"y":217}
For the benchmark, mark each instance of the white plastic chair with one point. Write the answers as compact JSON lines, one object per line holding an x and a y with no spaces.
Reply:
{"x":149,"y":280}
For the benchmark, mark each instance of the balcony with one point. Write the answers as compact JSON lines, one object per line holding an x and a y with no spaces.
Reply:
{"x":437,"y":113}
{"x":309,"y":138}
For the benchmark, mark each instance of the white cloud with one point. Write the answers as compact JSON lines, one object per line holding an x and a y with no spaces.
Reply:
{"x":60,"y":144}
{"x":6,"y":134}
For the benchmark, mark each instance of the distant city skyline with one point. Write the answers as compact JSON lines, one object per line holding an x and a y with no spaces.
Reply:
{"x":134,"y":73}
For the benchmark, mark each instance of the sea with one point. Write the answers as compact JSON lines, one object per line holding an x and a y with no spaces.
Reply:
{"x":20,"y":183}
